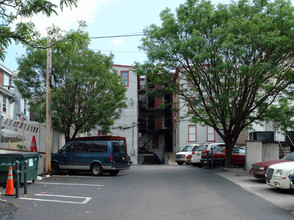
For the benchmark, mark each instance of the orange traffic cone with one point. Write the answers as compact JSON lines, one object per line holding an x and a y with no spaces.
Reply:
{"x":9,"y":185}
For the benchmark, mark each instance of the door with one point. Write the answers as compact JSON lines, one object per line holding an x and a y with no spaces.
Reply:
{"x":80,"y":155}
{"x":65,"y":159}
{"x":119,"y":155}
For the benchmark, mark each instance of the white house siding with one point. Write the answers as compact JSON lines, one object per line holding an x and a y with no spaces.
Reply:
{"x":182,"y":122}
{"x":201,"y":131}
{"x":126,"y":126}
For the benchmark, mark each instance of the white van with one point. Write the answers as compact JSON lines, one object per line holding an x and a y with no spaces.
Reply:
{"x":181,"y":156}
{"x":195,"y":160}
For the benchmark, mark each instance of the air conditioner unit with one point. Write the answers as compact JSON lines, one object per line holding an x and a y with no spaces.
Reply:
{"x":263,"y":136}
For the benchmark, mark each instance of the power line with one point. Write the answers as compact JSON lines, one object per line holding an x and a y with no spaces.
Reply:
{"x":123,"y":35}
{"x":112,"y":51}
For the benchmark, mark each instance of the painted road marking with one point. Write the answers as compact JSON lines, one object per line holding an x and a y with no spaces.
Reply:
{"x":68,"y":184}
{"x":85,"y":177}
{"x":85,"y":200}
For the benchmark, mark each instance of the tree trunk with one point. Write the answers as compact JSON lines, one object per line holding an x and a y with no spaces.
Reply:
{"x":228,"y":159}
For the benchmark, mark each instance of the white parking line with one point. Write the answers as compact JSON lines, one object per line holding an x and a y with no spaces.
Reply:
{"x":85,"y":177}
{"x":85,"y":199}
{"x":68,"y":184}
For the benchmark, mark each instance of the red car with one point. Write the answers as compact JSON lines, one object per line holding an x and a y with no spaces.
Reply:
{"x":219,"y":154}
{"x":258,"y":170}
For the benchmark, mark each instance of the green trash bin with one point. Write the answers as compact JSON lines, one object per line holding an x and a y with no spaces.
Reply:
{"x":8,"y":159}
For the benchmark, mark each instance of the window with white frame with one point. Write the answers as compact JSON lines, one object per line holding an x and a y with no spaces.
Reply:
{"x":124,"y":78}
{"x":191,"y":105}
{"x":192,"y":133}
{"x":210,"y":133}
{"x":6,"y":80}
{"x":4,"y":104}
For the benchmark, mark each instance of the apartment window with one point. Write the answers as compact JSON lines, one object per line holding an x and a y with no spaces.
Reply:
{"x":24,"y":107}
{"x":189,"y":84}
{"x":191,"y":103}
{"x":210,"y":134}
{"x":192,"y":133}
{"x":124,"y":78}
{"x":178,"y":136}
{"x":4,"y":104}
{"x":6,"y":80}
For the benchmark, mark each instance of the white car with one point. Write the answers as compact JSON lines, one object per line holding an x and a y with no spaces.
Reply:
{"x":182,"y":155}
{"x":195,"y":159}
{"x":277,"y":175}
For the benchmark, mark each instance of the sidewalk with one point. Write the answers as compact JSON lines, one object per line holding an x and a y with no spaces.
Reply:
{"x":241,"y":177}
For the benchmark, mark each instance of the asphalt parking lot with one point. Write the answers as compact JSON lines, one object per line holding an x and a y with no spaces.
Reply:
{"x":81,"y":194}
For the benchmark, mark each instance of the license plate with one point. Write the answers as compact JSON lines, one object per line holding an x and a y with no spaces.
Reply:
{"x":205,"y":161}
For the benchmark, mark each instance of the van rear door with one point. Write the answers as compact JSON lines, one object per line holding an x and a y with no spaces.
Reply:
{"x":120,"y":157}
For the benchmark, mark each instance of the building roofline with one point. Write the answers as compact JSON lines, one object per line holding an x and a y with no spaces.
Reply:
{"x":7,"y":70}
{"x":118,"y":65}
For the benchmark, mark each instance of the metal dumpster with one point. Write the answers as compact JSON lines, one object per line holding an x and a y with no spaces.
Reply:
{"x":8,"y":159}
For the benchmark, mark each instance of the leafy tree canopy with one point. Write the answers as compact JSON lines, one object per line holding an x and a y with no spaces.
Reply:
{"x":232,"y":61}
{"x":86,"y":91}
{"x":11,"y":10}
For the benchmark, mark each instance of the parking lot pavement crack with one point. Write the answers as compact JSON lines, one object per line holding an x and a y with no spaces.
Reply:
{"x":123,"y":203}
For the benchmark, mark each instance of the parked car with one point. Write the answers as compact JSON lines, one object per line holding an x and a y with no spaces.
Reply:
{"x":95,"y":156}
{"x":188,"y":159}
{"x":281,"y":175}
{"x":195,"y":160}
{"x":258,"y":170}
{"x":219,"y":155}
{"x":181,"y":156}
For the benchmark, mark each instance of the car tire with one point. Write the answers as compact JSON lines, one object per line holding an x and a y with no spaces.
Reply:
{"x":96,"y":169}
{"x":194,"y":164}
{"x":55,"y":169}
{"x":113,"y":172}
{"x":180,"y":163}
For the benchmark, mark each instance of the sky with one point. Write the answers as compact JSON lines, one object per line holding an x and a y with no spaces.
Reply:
{"x":105,"y":18}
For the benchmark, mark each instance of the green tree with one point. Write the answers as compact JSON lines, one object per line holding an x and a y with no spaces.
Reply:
{"x":86,"y":91}
{"x":11,"y":10}
{"x":237,"y":59}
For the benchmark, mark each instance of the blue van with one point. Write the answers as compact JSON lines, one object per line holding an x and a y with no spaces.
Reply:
{"x":95,"y":156}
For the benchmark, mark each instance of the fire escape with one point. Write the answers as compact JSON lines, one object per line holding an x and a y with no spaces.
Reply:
{"x":155,"y":124}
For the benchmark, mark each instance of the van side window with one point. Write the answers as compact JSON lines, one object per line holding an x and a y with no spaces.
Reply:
{"x":68,"y":148}
{"x":81,"y":147}
{"x":99,"y":147}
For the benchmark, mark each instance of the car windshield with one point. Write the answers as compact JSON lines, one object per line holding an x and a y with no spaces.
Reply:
{"x":289,"y":157}
{"x":201,"y":148}
{"x":187,"y":149}
{"x":195,"y":148}
{"x":242,"y":151}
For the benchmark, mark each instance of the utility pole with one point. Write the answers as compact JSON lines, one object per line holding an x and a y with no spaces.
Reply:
{"x":48,"y":109}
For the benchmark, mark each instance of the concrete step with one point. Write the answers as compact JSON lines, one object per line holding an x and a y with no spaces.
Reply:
{"x":169,"y":158}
